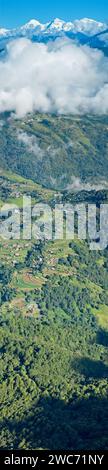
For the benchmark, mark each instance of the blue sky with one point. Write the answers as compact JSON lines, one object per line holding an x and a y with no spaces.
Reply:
{"x":16,"y":12}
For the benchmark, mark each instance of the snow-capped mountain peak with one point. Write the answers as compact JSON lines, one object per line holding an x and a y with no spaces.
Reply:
{"x":84,"y":31}
{"x":89,"y":26}
{"x":31,"y":26}
{"x":57,"y":24}
{"x":3,"y":32}
{"x":85,"y":26}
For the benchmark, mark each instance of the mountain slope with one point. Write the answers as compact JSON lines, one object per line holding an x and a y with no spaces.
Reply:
{"x":54,"y":337}
{"x":58,"y":152}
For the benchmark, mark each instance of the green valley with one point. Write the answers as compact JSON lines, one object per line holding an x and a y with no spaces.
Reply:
{"x":53,"y":294}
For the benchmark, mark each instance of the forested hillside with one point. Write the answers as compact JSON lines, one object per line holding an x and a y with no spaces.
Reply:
{"x":54,"y":332}
{"x":59,"y":152}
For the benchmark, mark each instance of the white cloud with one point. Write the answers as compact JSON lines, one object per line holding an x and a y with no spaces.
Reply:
{"x":31,"y":143}
{"x":78,"y":185}
{"x":58,"y":77}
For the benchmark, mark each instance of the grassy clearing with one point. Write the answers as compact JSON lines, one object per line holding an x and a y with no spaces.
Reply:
{"x":102,"y":315}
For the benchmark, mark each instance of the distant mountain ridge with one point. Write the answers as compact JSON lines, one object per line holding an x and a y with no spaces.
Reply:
{"x":84,"y":31}
{"x":86,"y":26}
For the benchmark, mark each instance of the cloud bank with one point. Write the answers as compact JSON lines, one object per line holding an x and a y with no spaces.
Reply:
{"x":31,"y":143}
{"x":60,"y":77}
{"x":78,"y":185}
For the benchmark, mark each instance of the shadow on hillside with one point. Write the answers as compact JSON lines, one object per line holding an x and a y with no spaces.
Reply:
{"x":102,"y":337}
{"x":90,"y":369}
{"x":53,"y":424}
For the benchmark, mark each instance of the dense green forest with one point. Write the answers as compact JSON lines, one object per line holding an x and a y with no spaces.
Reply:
{"x":53,"y":314}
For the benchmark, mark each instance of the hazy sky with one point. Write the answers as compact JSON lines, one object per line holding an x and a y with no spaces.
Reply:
{"x":17,"y":12}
